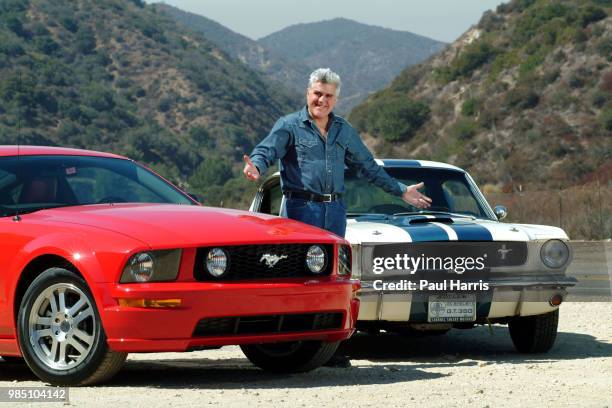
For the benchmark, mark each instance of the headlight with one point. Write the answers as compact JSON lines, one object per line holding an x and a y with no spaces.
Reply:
{"x":152,"y":266}
{"x":554,"y":253}
{"x":315,"y":259}
{"x":216,"y":262}
{"x":344,"y":260}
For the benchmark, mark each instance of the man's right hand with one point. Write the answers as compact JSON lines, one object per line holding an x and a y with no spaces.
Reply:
{"x":250,"y":171}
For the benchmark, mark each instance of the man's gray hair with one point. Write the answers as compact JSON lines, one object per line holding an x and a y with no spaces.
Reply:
{"x":325,"y":76}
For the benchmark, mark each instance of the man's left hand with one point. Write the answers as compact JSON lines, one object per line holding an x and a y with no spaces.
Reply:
{"x":413,"y":197}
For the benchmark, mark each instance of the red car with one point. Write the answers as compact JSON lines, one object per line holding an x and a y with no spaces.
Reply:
{"x":101,"y":257}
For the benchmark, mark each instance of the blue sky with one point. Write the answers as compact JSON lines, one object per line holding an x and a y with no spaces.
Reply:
{"x":443,"y":20}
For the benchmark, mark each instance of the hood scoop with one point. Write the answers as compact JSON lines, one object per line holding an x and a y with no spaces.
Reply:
{"x":446,"y":220}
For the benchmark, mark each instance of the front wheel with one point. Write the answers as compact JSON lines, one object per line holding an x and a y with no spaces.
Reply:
{"x":290,"y":357}
{"x":60,"y":333}
{"x":534,"y":334}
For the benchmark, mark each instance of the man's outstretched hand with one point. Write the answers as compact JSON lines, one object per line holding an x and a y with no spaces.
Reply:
{"x":413,"y":197}
{"x":250,"y":171}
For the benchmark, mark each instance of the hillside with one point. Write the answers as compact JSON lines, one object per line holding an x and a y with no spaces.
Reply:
{"x":242,"y":48}
{"x":523,"y":99}
{"x":118,"y":76}
{"x":366,"y":57}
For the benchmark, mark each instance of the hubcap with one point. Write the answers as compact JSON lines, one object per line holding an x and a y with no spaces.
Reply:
{"x":62,"y":326}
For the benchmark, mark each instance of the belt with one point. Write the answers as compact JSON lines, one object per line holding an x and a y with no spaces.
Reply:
{"x":324,"y":198}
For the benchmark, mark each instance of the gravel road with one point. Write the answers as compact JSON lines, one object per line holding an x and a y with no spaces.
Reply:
{"x":475,"y":367}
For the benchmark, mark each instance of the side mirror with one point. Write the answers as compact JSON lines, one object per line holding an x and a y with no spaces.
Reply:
{"x":501,"y":212}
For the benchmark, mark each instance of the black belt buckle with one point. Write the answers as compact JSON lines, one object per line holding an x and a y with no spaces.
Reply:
{"x":327,"y":198}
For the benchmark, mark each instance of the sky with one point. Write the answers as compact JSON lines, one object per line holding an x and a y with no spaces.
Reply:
{"x":443,"y":20}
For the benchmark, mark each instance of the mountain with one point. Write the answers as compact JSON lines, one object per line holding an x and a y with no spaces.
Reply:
{"x":117,"y":75}
{"x":523,"y":99}
{"x":242,"y":48}
{"x":366,"y":57}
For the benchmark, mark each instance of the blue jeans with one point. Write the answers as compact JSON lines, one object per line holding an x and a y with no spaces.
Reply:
{"x":330,"y":216}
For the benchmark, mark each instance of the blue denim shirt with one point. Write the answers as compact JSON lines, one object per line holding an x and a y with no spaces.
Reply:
{"x":309,"y":162}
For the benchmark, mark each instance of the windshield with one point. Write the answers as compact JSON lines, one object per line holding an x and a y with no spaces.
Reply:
{"x":32,"y":183}
{"x":450,"y":191}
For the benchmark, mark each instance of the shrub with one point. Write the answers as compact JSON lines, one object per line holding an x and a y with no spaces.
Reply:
{"x":590,"y":14}
{"x":599,"y":99}
{"x":399,"y":118}
{"x":605,"y":118}
{"x":470,"y":107}
{"x":85,"y":41}
{"x":211,"y":172}
{"x":464,"y":129}
{"x":522,"y":97}
{"x":604,"y":48}
{"x":474,"y":56}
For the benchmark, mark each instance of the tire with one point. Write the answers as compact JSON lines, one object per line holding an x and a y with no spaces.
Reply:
{"x":13,"y":360}
{"x":60,"y":332}
{"x":291,"y":357}
{"x":534,"y":334}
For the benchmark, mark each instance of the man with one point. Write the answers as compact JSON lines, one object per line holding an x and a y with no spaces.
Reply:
{"x":313,"y":146}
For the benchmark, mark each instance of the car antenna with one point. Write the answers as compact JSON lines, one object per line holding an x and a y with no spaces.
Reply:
{"x":17,"y":217}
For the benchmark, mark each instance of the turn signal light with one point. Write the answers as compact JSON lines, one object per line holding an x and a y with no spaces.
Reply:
{"x":151,"y":303}
{"x":555,"y":300}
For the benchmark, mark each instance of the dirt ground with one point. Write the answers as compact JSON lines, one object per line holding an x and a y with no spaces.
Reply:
{"x":476,"y":368}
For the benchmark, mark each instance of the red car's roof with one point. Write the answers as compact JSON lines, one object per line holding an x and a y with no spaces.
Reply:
{"x":52,"y":151}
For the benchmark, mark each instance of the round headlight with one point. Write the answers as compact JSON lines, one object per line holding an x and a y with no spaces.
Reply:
{"x":315,"y":259}
{"x":142,"y":267}
{"x":216,"y":262}
{"x":554,"y":253}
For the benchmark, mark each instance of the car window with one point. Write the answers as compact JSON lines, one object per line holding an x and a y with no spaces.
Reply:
{"x":459,"y":197}
{"x":30,"y":183}
{"x":449,"y":190}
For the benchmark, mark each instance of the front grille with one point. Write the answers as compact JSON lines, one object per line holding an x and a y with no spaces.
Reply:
{"x":268,"y":324}
{"x":245,"y":262}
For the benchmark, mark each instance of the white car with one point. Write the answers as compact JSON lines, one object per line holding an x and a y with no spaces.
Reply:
{"x":454,"y":265}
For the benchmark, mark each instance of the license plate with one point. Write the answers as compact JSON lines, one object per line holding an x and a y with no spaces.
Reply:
{"x":451,"y":307}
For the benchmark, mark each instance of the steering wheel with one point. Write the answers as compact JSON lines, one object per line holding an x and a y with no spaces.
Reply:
{"x":387,"y":209}
{"x":111,"y":199}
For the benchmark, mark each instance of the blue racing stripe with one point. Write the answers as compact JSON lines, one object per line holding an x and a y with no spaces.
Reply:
{"x":425,"y":232}
{"x":471,"y":232}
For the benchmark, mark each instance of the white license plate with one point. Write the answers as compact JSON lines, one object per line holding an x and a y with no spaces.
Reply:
{"x":451,"y":307}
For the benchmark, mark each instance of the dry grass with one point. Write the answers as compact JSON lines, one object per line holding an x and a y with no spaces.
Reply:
{"x":583,"y":212}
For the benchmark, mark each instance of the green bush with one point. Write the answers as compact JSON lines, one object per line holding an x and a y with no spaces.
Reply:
{"x":464,"y":129}
{"x":211,"y":172}
{"x":474,"y":56}
{"x":605,"y":118}
{"x":590,"y":14}
{"x":522,"y":97}
{"x":85,"y":41}
{"x":470,"y":106}
{"x":399,"y":118}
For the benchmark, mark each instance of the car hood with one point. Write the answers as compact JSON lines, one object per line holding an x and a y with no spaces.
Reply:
{"x":421,"y":228}
{"x":167,"y":225}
